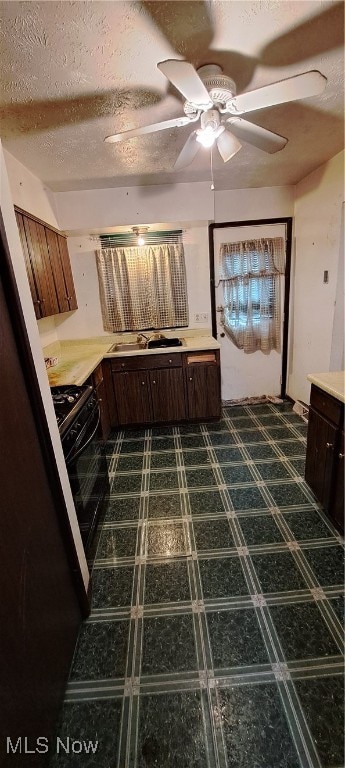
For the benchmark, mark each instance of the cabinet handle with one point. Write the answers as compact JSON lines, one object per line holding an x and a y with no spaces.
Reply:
{"x":153,"y":382}
{"x":143,"y":383}
{"x":341,"y":455}
{"x":122,"y":365}
{"x":170,"y":361}
{"x":190,"y":378}
{"x":329,"y":445}
{"x":37,"y":301}
{"x":100,"y":400}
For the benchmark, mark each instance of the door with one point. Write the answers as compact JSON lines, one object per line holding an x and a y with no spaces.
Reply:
{"x":28,"y":264}
{"x":243,"y":374}
{"x":132,"y":396}
{"x":338,"y":491}
{"x":67,"y":272}
{"x":39,"y":610}
{"x":39,"y":256}
{"x":167,"y":393}
{"x":203,"y":391}
{"x":321,"y":441}
{"x":56,"y":265}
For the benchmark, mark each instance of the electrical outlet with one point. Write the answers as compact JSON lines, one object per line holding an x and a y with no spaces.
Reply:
{"x":201,"y":317}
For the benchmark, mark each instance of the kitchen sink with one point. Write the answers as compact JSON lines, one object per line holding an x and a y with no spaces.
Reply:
{"x":128,"y":346}
{"x":163,"y":342}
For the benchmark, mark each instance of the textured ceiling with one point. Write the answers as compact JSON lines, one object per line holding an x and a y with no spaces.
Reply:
{"x":74,"y":72}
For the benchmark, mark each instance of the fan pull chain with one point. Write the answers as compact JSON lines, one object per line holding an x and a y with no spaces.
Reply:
{"x":212,"y":177}
{"x":212,"y":187}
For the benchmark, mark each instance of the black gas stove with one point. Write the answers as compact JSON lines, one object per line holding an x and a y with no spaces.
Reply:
{"x":68,"y":401}
{"x":77,"y":411}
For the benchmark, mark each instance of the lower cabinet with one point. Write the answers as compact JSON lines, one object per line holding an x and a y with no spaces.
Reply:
{"x":324,"y":470}
{"x":167,"y":395}
{"x":319,"y":459}
{"x":99,"y":384}
{"x":203,"y":391}
{"x":132,"y":397}
{"x":338,"y":502}
{"x":164,"y":388}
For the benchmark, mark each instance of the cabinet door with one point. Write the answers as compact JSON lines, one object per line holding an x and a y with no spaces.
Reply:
{"x":167,"y":393}
{"x":29,"y":269}
{"x":321,"y":441}
{"x":56,"y":265}
{"x":43,"y":274}
{"x":99,"y":385}
{"x":105,"y":418}
{"x":108,"y":380}
{"x":132,"y":397}
{"x":203,"y":391}
{"x":337,"y":509}
{"x":67,"y":272}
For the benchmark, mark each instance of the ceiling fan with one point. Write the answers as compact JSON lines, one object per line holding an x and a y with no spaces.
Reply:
{"x":211,"y":98}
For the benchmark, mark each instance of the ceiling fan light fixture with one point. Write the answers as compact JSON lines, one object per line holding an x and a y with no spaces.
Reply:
{"x":207,"y":136}
{"x":210,"y":129}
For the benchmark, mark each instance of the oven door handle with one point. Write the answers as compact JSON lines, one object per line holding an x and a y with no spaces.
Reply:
{"x":84,"y":445}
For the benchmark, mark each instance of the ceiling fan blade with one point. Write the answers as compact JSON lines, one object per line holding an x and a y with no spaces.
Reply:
{"x":188,"y":152}
{"x":254,"y":134}
{"x":186,"y":79}
{"x":298,"y":87}
{"x":228,"y":145}
{"x":175,"y":122}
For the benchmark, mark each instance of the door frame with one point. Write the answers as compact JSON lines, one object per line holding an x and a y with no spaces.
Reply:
{"x":24,"y":350}
{"x":287,"y":220}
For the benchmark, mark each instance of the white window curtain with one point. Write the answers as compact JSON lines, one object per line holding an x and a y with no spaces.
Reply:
{"x":250,"y":273}
{"x":142,"y":288}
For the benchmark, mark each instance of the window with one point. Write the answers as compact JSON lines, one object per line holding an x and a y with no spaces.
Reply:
{"x":143,"y":288}
{"x":250,"y":274}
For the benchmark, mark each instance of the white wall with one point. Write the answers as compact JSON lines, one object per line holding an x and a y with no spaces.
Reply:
{"x":337,"y":350}
{"x":246,"y":204}
{"x":87,"y":321}
{"x":318,"y":247}
{"x":97,"y":210}
{"x":28,"y":192}
{"x":21,"y":278}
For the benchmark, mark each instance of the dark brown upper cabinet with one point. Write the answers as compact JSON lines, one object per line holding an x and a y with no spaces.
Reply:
{"x":48,"y":266}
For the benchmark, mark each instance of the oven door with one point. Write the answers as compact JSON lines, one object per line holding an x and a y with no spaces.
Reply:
{"x":88,"y":476}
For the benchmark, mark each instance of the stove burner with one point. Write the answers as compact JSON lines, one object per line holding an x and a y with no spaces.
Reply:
{"x":60,"y":398}
{"x":62,"y":395}
{"x":67,"y":402}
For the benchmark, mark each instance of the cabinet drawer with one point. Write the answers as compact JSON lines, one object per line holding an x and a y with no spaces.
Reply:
{"x":146,"y":362}
{"x":201,"y":358}
{"x":331,"y":408}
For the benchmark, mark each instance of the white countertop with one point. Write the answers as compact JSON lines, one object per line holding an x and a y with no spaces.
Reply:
{"x":332,"y":382}
{"x":78,"y":358}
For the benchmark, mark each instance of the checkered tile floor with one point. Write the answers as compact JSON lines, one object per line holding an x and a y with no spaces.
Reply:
{"x":215,"y":637}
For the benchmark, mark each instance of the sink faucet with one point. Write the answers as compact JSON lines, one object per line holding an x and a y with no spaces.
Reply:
{"x":142,"y":335}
